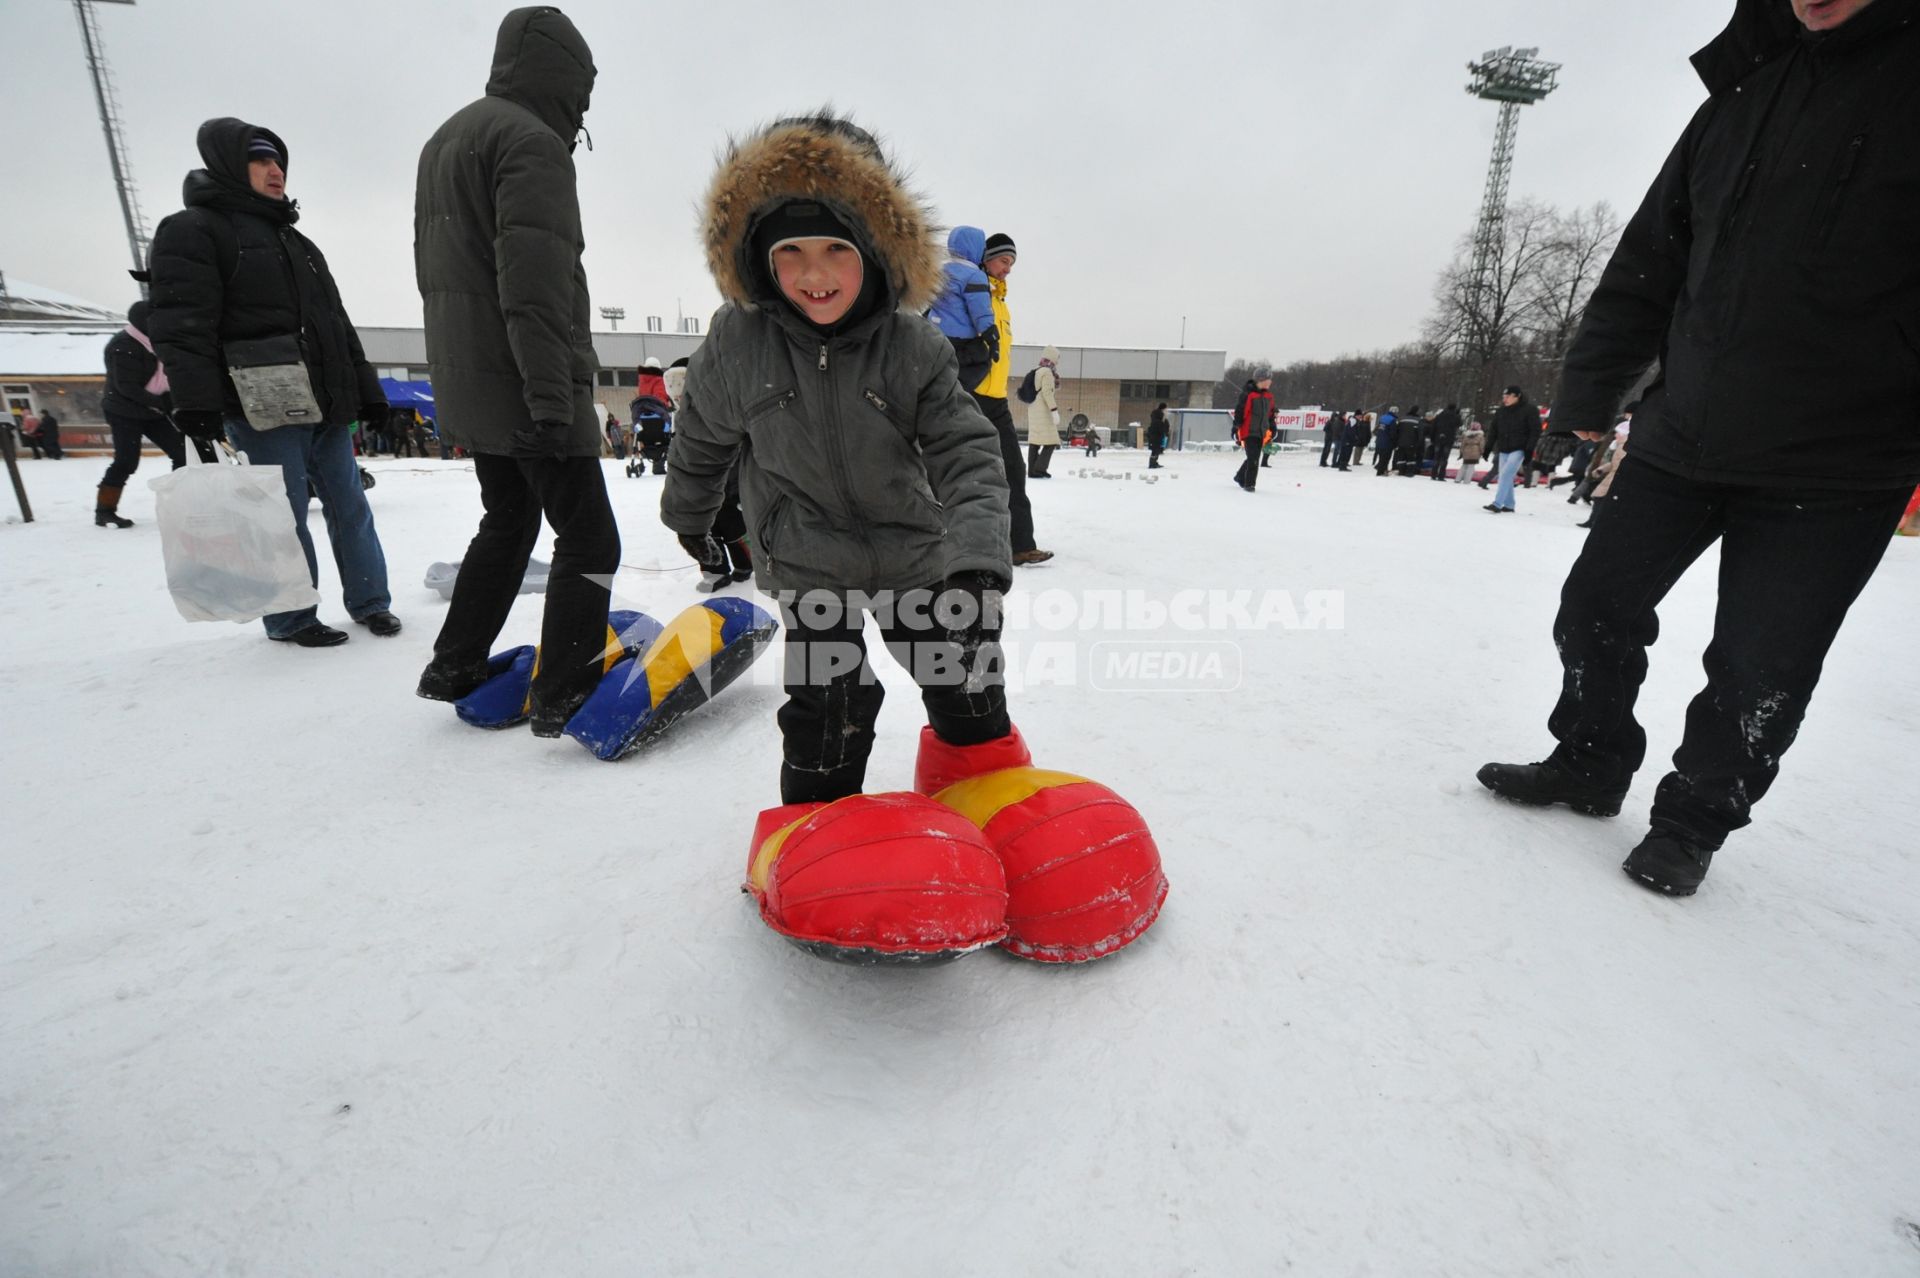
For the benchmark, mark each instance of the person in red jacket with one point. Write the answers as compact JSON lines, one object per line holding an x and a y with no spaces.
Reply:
{"x":1252,"y":426}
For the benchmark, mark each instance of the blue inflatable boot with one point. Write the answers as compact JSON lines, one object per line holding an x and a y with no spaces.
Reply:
{"x":505,"y":699}
{"x":699,"y":653}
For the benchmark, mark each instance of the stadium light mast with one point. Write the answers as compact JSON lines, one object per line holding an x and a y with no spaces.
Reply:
{"x":613,"y":315}
{"x":1514,"y":78}
{"x":117,"y":154}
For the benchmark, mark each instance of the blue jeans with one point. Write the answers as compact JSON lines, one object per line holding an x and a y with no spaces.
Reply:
{"x":1509,"y":467}
{"x":322,"y":455}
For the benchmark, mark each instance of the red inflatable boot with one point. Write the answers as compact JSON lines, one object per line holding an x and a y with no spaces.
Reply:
{"x":877,"y":878}
{"x":940,"y":765}
{"x":1083,"y":871}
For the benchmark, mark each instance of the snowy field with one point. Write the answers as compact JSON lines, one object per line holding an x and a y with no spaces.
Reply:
{"x":298,"y":976}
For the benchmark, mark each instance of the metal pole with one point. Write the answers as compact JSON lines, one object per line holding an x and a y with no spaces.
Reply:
{"x":116,"y":146}
{"x":13,"y":473}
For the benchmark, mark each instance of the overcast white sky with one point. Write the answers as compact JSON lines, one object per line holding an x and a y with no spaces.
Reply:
{"x":1289,"y":176}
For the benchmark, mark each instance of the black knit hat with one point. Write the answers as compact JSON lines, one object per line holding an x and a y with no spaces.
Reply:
{"x":263,"y":147}
{"x":797,"y":220}
{"x":999,"y":244}
{"x":1516,"y":392}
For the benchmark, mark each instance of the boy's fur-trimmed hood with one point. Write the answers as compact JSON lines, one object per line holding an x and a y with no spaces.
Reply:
{"x":826,"y":158}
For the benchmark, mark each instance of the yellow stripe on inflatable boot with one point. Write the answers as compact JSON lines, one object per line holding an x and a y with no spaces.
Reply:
{"x":770,"y":852}
{"x":981,"y":798}
{"x":689,"y":642}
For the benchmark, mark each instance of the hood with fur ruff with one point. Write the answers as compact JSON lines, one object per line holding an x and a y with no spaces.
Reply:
{"x":831,"y":160}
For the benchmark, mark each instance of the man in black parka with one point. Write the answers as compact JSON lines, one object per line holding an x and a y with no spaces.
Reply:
{"x":497,"y":251}
{"x":1774,"y":272}
{"x":234,"y":285}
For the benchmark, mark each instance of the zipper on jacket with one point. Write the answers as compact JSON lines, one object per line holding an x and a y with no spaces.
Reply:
{"x":842,"y":472}
{"x":1832,"y":213}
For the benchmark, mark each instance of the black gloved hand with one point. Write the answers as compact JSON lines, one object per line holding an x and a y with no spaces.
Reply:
{"x":374,"y":416}
{"x":707,"y":552}
{"x":968,"y":608}
{"x":543,"y":441}
{"x":201,"y":423}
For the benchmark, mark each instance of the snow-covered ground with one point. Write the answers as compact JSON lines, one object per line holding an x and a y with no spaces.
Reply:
{"x":298,"y":976}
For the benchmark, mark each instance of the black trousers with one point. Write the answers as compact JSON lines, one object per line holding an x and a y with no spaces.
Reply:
{"x":1249,"y":473}
{"x":1440,"y":455}
{"x":1039,"y":457}
{"x":833,"y":698}
{"x":1017,"y":504}
{"x":572,"y":494}
{"x":1382,"y":459}
{"x":1326,"y":448}
{"x":128,"y":434}
{"x":1342,"y":455}
{"x":1792,"y":561}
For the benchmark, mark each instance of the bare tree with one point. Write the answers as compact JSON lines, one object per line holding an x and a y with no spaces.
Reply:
{"x":1583,"y":243}
{"x":1489,"y":325}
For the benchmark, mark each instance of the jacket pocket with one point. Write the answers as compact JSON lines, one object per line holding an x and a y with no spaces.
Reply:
{"x":767,"y":405}
{"x":764,"y":540}
{"x":892,"y":412}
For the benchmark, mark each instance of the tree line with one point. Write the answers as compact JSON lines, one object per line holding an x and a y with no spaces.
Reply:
{"x":1474,"y":340}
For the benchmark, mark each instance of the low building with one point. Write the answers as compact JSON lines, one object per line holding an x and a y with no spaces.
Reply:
{"x":44,"y":365}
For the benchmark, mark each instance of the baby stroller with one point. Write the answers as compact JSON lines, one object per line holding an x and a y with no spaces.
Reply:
{"x":652,"y":432}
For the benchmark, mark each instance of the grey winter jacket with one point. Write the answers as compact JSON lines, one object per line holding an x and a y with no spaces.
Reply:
{"x":864,"y":465}
{"x":497,"y":246}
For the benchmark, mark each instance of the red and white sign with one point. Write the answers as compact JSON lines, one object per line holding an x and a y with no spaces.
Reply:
{"x":1301,"y":419}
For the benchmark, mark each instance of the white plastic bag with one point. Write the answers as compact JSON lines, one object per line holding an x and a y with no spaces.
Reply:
{"x":231,"y":549}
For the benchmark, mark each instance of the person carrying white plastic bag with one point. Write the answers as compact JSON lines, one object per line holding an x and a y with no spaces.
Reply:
{"x":227,"y":533}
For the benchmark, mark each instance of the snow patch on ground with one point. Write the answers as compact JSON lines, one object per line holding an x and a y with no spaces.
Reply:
{"x":298,"y":975}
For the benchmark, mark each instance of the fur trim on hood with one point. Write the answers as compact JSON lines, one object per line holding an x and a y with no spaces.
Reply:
{"x":832,"y":160}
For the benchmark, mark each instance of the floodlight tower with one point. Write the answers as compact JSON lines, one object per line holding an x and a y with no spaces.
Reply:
{"x":110,"y":124}
{"x":1513,"y":78}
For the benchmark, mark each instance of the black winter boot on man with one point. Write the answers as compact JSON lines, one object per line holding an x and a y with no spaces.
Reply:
{"x":106,"y":509}
{"x":1544,"y":784}
{"x":1668,"y":862}
{"x":318,"y":635}
{"x":451,"y":679}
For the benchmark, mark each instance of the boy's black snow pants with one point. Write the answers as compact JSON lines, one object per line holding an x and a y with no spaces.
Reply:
{"x":1792,"y":561}
{"x":833,"y":697}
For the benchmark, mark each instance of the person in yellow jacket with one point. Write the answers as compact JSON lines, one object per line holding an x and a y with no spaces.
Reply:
{"x":1043,"y":416}
{"x":991,"y":394}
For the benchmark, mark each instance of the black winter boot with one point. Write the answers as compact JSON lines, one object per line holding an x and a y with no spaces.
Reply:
{"x":1544,"y":784}
{"x":106,"y":509}
{"x":1669,"y":863}
{"x":318,"y":635}
{"x":448,"y":680}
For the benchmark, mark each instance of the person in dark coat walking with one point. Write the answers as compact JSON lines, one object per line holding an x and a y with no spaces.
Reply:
{"x":50,"y":436}
{"x":1353,"y":440}
{"x":1773,"y":271}
{"x":1510,"y":438}
{"x":1445,"y":427}
{"x":1409,"y":443}
{"x":248,"y":322}
{"x":136,"y":405}
{"x":497,"y":254}
{"x":1157,"y":434}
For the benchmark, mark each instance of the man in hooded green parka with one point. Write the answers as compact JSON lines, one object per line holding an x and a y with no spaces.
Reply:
{"x":497,"y":254}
